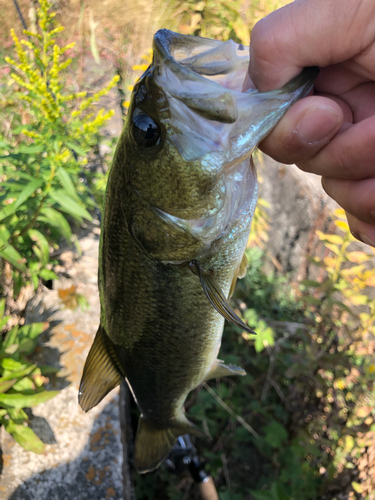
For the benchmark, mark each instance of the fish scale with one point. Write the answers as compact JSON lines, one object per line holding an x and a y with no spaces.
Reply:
{"x":180,"y":198}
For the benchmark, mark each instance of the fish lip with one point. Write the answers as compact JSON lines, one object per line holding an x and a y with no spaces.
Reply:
{"x":174,"y":59}
{"x":209,"y":118}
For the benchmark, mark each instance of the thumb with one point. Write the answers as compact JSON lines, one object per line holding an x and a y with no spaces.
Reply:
{"x":308,"y":33}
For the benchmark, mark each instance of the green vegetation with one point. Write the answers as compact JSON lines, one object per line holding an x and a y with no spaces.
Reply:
{"x":21,"y":382}
{"x":42,"y":155}
{"x":301,"y":422}
{"x":46,"y":134}
{"x":304,"y":412}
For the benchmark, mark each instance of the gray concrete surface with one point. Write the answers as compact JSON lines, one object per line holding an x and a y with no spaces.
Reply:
{"x":83,"y":457}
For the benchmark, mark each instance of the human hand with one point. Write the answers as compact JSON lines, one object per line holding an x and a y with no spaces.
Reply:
{"x":331,"y":133}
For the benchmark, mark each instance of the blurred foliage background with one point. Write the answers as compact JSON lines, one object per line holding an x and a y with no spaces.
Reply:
{"x":309,"y":395}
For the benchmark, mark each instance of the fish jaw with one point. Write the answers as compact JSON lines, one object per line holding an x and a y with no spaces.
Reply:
{"x":209,"y":115}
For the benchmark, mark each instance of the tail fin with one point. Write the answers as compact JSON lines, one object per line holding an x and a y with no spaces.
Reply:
{"x":153,"y":443}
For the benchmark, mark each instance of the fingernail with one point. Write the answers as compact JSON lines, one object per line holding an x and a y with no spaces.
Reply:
{"x":363,"y":237}
{"x":317,"y":124}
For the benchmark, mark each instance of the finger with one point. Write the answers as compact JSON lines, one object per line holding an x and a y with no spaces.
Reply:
{"x":304,"y":130}
{"x":356,"y":197}
{"x":349,"y":155}
{"x":302,"y":34}
{"x":361,"y":101}
{"x":361,"y":230}
{"x":337,"y":79}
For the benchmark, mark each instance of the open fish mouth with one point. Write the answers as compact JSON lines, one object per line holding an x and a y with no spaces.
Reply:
{"x":209,"y":115}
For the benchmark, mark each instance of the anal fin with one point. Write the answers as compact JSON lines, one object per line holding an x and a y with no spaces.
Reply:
{"x":221,"y":370}
{"x":153,"y":442}
{"x":101,"y":372}
{"x":217,"y":298}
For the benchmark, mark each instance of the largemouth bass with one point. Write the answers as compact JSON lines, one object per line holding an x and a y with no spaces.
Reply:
{"x":180,"y":198}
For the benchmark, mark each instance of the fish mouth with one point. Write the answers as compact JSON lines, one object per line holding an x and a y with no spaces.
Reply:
{"x":209,"y":115}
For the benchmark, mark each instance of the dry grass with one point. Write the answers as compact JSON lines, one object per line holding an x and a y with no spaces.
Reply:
{"x":123,"y":31}
{"x":124,"y":28}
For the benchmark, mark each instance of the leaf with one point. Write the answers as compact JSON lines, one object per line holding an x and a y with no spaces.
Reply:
{"x":47,"y":274}
{"x":265,"y":337}
{"x":370,"y":281}
{"x":342,"y":225}
{"x":35,"y":280}
{"x":331,"y":238}
{"x":28,"y":336}
{"x":19,"y":373}
{"x":2,"y":308}
{"x":311,"y":283}
{"x":3,"y":319}
{"x":335,"y":249}
{"x":6,"y":384}
{"x":75,"y":147}
{"x":28,"y":190}
{"x":42,"y":243}
{"x":10,"y":338}
{"x":11,"y":365}
{"x":56,"y":219}
{"x":358,"y":488}
{"x":17,"y":415}
{"x":276,"y":434}
{"x":10,"y":254}
{"x":358,"y":257}
{"x":359,"y":300}
{"x":70,"y":206}
{"x":24,"y":436}
{"x":67,"y":182}
{"x":31,"y":150}
{"x":24,"y":385}
{"x":311,"y":300}
{"x":26,"y":400}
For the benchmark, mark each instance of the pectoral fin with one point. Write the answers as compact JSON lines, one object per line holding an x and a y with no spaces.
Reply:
{"x":217,"y":298}
{"x":153,"y":442}
{"x":221,"y":370}
{"x":101,"y":372}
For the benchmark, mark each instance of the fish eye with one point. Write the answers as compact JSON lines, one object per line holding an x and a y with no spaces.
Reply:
{"x":145,"y":131}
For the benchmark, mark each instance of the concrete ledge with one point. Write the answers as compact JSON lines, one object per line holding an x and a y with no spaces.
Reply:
{"x":83,"y":457}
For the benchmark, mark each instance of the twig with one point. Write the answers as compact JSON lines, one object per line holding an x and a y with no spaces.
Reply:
{"x":20,"y":14}
{"x":239,"y":419}
{"x":188,"y":488}
{"x":271,"y":351}
{"x":269,"y":373}
{"x":277,"y":388}
{"x":225,"y":470}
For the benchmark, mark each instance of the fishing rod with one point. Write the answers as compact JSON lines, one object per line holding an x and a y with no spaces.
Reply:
{"x":184,"y":455}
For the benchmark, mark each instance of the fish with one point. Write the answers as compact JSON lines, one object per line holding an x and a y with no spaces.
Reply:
{"x":181,"y":194}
